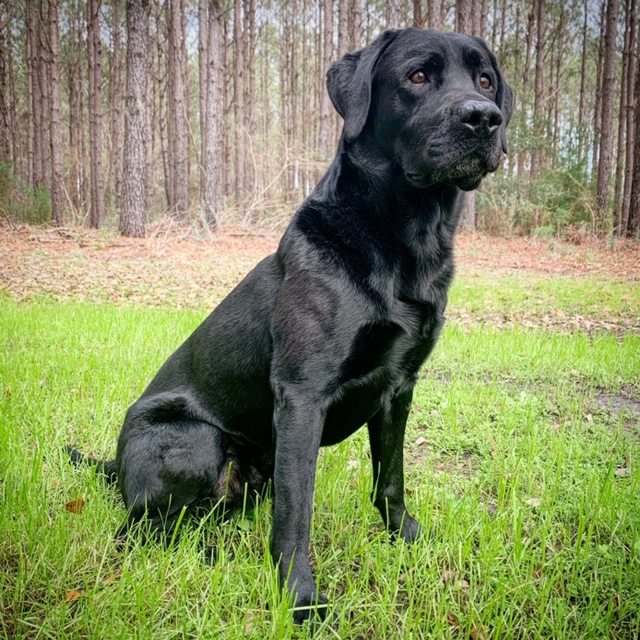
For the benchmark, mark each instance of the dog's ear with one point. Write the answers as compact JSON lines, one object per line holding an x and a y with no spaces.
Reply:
{"x":349,"y":84}
{"x":505,"y":102}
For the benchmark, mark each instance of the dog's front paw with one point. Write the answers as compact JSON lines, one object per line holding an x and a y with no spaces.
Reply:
{"x":410,"y":529}
{"x":313,"y":608}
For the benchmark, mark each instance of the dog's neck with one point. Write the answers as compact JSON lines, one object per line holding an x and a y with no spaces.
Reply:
{"x":389,"y":201}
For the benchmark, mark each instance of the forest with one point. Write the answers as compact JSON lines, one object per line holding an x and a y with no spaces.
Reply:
{"x":215,"y":113}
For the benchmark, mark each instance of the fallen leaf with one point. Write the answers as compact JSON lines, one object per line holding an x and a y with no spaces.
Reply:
{"x":249,"y":624}
{"x":451,"y":619}
{"x":75,"y":506}
{"x":477,"y":633}
{"x":623,"y":472}
{"x":72,"y":596}
{"x":534,"y":502}
{"x":420,"y":441}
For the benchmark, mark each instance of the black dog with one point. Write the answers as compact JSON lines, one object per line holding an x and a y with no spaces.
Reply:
{"x":329,"y":333}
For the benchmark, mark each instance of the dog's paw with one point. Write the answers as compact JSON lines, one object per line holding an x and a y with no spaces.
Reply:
{"x":314,"y":609}
{"x":410,"y":530}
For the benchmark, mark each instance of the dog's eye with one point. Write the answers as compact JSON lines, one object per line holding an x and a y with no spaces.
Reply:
{"x":485,"y":81}
{"x":419,"y":77}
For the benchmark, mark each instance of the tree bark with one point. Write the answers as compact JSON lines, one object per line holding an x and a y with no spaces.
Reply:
{"x":618,"y":204}
{"x":5,"y":146}
{"x":115,"y":124}
{"x":606,"y":133}
{"x":582,"y":152}
{"x":417,"y":14}
{"x":393,"y":14}
{"x":633,"y":223}
{"x":57,"y":202}
{"x":632,"y":107}
{"x":597,"y":111}
{"x":536,"y":158}
{"x":238,"y":48}
{"x":96,"y":213}
{"x":203,"y":62}
{"x":434,"y":14}
{"x":213,"y":140}
{"x":132,"y":215}
{"x":177,"y":99}
{"x":327,"y":58}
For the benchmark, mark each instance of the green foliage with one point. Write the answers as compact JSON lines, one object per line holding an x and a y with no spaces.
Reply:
{"x":560,"y":200}
{"x":21,"y":204}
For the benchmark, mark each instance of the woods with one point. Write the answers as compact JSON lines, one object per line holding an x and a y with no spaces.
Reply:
{"x":215,"y":111}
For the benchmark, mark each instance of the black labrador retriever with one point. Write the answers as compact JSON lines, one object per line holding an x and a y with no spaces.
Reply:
{"x":328,"y":333}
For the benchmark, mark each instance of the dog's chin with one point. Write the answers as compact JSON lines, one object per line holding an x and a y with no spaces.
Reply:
{"x":428,"y":180}
{"x":465,"y":173}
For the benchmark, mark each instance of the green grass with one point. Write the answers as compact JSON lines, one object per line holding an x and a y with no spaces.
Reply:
{"x":522,"y":457}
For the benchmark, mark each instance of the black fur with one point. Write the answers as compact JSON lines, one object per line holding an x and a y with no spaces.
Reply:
{"x":329,"y":333}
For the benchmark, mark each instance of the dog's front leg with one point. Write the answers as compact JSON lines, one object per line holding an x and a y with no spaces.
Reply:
{"x":386,"y":436}
{"x":298,"y":429}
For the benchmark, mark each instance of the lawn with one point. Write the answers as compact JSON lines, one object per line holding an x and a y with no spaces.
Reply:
{"x":522,"y":459}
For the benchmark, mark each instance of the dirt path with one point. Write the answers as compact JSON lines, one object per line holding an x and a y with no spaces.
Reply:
{"x":171,"y":268}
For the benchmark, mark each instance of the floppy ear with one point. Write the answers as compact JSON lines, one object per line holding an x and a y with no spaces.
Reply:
{"x":505,"y":102}
{"x":349,"y":84}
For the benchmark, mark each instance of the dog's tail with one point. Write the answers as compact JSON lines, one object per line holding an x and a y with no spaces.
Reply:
{"x":106,"y":468}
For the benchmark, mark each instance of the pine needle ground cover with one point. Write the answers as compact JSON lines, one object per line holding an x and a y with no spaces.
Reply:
{"x":522,"y":458}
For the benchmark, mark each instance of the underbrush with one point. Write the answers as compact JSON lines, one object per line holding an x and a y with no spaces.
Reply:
{"x":561,"y":203}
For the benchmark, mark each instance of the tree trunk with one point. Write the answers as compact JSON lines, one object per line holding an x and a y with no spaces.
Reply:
{"x":633,"y":223}
{"x":132,"y":215}
{"x":35,"y":96}
{"x":96,"y":214}
{"x":597,"y":111}
{"x":45,"y":87}
{"x":213,"y":138}
{"x":539,"y":90}
{"x":115,"y":125}
{"x":417,"y":14}
{"x":178,"y":140}
{"x":464,"y":18}
{"x":238,"y":48}
{"x":393,"y":15}
{"x":606,"y":132}
{"x":356,"y":24}
{"x":327,"y":58}
{"x":632,"y":107}
{"x":5,"y":147}
{"x":56,"y":144}
{"x":618,"y":204}
{"x":582,"y":152}
{"x":434,"y":14}
{"x":203,"y":62}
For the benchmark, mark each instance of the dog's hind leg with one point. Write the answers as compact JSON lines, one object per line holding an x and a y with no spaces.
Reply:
{"x":167,"y":460}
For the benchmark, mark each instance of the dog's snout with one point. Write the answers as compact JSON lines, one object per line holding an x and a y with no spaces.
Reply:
{"x":480,"y":116}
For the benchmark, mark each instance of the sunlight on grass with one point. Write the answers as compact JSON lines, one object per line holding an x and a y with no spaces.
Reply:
{"x":522,"y":458}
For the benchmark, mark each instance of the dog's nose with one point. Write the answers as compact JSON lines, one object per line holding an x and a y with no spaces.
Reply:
{"x":482,"y":117}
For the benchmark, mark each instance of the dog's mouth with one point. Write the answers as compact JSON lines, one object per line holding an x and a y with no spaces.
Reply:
{"x":463,"y":170}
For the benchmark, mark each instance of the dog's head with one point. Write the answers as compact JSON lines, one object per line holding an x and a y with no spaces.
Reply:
{"x":433,"y":103}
